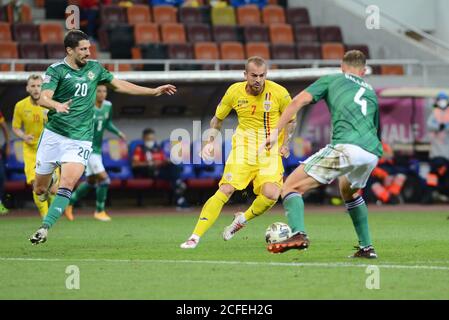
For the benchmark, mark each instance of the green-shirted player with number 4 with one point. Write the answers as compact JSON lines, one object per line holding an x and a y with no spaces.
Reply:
{"x":353,"y":153}
{"x":68,"y":90}
{"x":96,"y":175}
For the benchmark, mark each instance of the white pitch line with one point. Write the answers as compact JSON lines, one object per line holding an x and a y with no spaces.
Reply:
{"x":249,"y":263}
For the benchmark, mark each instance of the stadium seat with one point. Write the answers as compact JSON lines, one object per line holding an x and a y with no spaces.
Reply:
{"x":281,"y":33}
{"x":166,"y":2}
{"x":55,"y":51}
{"x":190,"y":15}
{"x":165,"y":14}
{"x":112,"y":14}
{"x":206,"y":14}
{"x":33,"y":50}
{"x":298,"y":16}
{"x":199,"y":32}
{"x":248,"y":15}
{"x":361,"y":47}
{"x":392,"y":70}
{"x":306,"y":33}
{"x":145,"y":33}
{"x":232,"y":51}
{"x":25,"y":13}
{"x":9,"y":50}
{"x":5,"y":32}
{"x":273,"y":14}
{"x":14,"y":162}
{"x":115,"y":158}
{"x":173,"y":33}
{"x":239,"y":3}
{"x":225,"y":33}
{"x":25,"y":32}
{"x":310,"y":51}
{"x":256,"y":34}
{"x":332,"y":51}
{"x":223,"y":16}
{"x":206,"y":51}
{"x":330,"y":34}
{"x":153,"y":51}
{"x":93,"y":51}
{"x":180,"y":51}
{"x":260,"y":49}
{"x":283,"y":51}
{"x":51,"y":33}
{"x":138,"y":13}
{"x":121,"y":39}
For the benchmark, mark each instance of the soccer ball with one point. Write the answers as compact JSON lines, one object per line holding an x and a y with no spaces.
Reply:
{"x":277,"y":232}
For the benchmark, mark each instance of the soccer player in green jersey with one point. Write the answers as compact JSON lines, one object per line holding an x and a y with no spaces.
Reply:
{"x":96,"y":176}
{"x":68,"y":90}
{"x":353,"y":153}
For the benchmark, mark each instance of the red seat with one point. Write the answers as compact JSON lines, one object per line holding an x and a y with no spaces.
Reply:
{"x":330,"y":34}
{"x":198,"y":32}
{"x":25,"y":32}
{"x":309,"y":51}
{"x":225,"y":33}
{"x":283,"y":51}
{"x":139,"y":184}
{"x":55,"y":51}
{"x":180,"y":51}
{"x":256,"y":34}
{"x":298,"y":16}
{"x":112,"y":14}
{"x":306,"y":33}
{"x":5,"y":32}
{"x":189,"y":15}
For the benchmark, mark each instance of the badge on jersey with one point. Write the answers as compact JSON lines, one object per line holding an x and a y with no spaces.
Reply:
{"x":91,"y":75}
{"x":267,"y":102}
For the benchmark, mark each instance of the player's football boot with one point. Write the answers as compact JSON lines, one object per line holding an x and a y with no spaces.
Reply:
{"x":3,"y":209}
{"x":40,"y":236}
{"x":44,"y":197}
{"x":237,"y":224}
{"x":102,"y":216}
{"x":69,"y":213}
{"x":297,"y":241}
{"x":366,"y":252}
{"x":189,"y":244}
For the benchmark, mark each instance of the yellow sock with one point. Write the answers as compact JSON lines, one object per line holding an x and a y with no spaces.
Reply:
{"x":259,"y":206}
{"x":42,"y":207}
{"x":211,"y":211}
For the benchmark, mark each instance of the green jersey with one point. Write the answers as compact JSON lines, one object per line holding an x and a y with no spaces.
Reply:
{"x":354,"y":110}
{"x":102,"y":121}
{"x":80,"y":86}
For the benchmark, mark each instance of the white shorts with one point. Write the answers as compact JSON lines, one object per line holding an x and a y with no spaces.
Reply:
{"x":55,"y":149}
{"x":94,"y":165}
{"x":346,"y":160}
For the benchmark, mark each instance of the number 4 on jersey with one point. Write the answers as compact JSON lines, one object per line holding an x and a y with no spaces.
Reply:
{"x":361,"y":102}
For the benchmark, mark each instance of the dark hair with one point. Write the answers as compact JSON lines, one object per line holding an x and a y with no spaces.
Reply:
{"x":73,"y":38}
{"x":147,"y":131}
{"x":354,"y":58}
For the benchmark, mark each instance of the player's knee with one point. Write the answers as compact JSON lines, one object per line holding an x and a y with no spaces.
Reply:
{"x":227,"y":189}
{"x":38,"y":189}
{"x":272,"y":192}
{"x":104,"y":182}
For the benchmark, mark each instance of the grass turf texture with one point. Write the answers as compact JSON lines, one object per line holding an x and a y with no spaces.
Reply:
{"x":126,"y":259}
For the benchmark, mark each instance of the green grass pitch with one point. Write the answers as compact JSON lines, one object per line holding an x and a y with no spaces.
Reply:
{"x":138,"y":257}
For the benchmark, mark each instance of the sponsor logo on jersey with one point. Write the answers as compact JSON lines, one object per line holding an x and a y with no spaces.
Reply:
{"x":228,"y":177}
{"x":91,"y":75}
{"x":242,"y":102}
{"x":267,"y":106}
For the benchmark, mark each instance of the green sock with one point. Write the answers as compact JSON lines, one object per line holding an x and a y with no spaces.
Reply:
{"x":80,"y":192}
{"x":102,"y":193}
{"x":294,"y":210}
{"x":57,"y":207}
{"x":359,"y":214}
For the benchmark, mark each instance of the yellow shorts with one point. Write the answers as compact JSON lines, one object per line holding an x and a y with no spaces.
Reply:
{"x":240,"y":170}
{"x":29,"y":159}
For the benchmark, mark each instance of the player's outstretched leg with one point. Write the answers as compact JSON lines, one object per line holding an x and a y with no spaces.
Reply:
{"x":358,"y":211}
{"x":263,"y":202}
{"x":70,"y":174}
{"x":296,"y":184}
{"x":102,"y":194}
{"x":209,"y":214}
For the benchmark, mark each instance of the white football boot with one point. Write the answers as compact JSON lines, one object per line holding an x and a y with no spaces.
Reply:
{"x":238,"y":223}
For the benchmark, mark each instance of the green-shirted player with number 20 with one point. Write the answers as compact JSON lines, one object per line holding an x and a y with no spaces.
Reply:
{"x":353,"y":153}
{"x":96,"y":175}
{"x":68,"y":90}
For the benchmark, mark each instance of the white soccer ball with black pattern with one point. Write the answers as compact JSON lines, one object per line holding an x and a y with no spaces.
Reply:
{"x":277,"y":232}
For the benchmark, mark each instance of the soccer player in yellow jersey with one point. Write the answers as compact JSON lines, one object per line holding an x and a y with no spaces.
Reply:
{"x":31,"y":117}
{"x":259,"y":104}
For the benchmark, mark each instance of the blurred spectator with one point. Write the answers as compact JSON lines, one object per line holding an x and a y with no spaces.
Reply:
{"x":438,"y":126}
{"x":239,"y":3}
{"x":386,"y":180}
{"x":14,"y":8}
{"x":90,"y":14}
{"x":165,"y":2}
{"x":191,"y":3}
{"x":3,"y":155}
{"x":149,"y":161}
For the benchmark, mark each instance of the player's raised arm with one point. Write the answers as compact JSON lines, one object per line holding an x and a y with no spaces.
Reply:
{"x":123,"y":86}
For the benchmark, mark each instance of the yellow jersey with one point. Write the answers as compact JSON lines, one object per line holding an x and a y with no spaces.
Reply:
{"x":31,"y":117}
{"x":257,"y":115}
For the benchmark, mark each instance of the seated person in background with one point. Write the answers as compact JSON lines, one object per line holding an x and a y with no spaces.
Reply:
{"x":387,"y":181}
{"x":149,"y":161}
